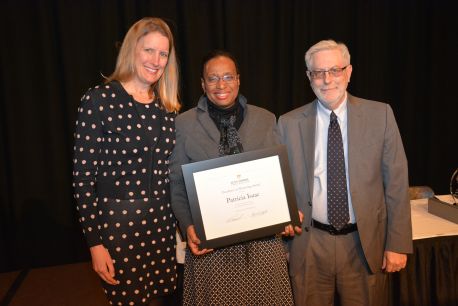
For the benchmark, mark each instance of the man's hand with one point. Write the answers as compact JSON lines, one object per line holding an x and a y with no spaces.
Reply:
{"x":393,"y":262}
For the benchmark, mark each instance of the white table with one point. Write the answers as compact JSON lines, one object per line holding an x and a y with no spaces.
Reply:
{"x":426,"y":225}
{"x":430,"y":277}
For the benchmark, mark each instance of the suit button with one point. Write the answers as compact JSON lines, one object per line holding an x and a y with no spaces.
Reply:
{"x":306,"y":228}
{"x":310,"y":203}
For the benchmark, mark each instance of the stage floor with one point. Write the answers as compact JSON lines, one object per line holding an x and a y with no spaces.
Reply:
{"x":65,"y":285}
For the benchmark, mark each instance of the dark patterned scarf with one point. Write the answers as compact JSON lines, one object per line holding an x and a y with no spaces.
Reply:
{"x":228,"y":122}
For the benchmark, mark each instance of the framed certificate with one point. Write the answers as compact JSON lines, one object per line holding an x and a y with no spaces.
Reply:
{"x":241,"y":197}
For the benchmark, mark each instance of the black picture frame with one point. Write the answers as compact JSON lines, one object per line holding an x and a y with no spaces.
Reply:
{"x":237,"y":237}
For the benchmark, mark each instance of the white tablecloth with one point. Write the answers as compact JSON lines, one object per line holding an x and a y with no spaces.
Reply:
{"x":426,"y":225}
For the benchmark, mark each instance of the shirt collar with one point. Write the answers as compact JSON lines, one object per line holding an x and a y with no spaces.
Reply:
{"x":340,"y":111}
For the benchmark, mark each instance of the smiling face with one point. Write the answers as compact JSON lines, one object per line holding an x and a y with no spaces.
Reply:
{"x":151,"y":56}
{"x":225,"y":89}
{"x":330,"y":90}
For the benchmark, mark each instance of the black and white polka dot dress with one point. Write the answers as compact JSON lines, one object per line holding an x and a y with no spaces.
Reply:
{"x":122,"y":190}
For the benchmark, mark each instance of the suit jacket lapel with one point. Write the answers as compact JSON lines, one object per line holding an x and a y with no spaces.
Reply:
{"x":355,"y":130}
{"x":207,"y":123}
{"x":307,"y":131}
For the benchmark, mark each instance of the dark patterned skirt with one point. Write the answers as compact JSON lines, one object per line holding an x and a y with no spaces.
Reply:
{"x":140,"y":237}
{"x":251,"y":273}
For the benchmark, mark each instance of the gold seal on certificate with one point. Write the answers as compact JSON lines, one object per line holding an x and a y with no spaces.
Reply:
{"x":241,"y":197}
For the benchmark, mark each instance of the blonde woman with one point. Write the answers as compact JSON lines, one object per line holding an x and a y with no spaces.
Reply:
{"x":124,"y":135}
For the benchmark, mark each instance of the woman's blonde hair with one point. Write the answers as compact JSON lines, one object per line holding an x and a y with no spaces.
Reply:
{"x":167,"y":85}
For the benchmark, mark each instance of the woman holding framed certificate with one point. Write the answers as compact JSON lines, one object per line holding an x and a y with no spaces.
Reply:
{"x":222,"y":123}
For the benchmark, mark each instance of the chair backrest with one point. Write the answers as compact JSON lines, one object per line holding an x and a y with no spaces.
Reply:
{"x":420,"y":192}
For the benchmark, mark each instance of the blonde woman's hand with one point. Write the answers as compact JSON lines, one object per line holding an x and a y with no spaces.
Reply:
{"x":103,"y":264}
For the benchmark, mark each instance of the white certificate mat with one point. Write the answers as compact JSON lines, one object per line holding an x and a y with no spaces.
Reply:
{"x":241,"y":197}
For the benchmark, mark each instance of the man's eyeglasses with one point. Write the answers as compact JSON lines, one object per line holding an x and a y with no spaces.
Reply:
{"x":227,"y":78}
{"x":320,"y":74}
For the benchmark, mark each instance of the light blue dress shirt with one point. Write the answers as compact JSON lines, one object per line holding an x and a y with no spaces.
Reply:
{"x":320,"y":202}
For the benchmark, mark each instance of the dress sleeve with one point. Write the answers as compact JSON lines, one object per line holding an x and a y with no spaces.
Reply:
{"x":88,"y":138}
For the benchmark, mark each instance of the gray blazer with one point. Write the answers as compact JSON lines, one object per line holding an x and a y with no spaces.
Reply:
{"x":377,"y":175}
{"x":197,"y":139}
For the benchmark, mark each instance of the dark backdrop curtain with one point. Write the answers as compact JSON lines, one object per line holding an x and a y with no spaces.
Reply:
{"x":403,"y":53}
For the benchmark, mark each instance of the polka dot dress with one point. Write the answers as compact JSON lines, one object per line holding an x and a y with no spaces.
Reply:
{"x":122,"y":190}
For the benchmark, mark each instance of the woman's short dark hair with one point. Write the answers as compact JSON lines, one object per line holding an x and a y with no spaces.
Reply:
{"x":217,"y":53}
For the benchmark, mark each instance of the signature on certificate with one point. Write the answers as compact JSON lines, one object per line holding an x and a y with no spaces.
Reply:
{"x":259,"y":213}
{"x":234,"y":218}
{"x":240,"y":216}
